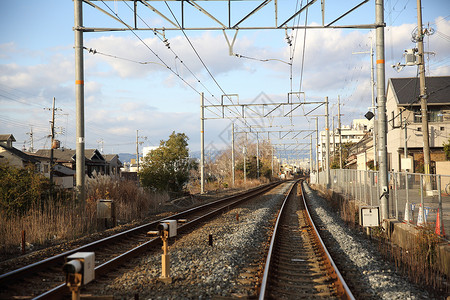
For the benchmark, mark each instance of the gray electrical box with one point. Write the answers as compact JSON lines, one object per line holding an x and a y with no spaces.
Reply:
{"x":87,"y":260}
{"x":172,"y":227}
{"x":369,"y":216}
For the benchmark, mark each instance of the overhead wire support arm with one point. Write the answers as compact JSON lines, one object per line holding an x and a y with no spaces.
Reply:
{"x":160,"y":14}
{"x":354,"y":8}
{"x":107,"y":13}
{"x":297,"y":13}
{"x":252,"y":13}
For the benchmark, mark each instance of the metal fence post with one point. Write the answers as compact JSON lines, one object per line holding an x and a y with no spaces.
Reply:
{"x":394,"y":178}
{"x":421,"y":200}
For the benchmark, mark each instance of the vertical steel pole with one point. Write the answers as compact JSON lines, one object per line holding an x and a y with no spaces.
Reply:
{"x":272,"y":159}
{"x":79,"y":95}
{"x":441,"y":214}
{"x":137,"y":150}
{"x":317,"y":149}
{"x":244,"y":151}
{"x":327,"y":132}
{"x":257,"y":154}
{"x":340,"y":133}
{"x":382,"y":119}
{"x":202,"y":146}
{"x":310,"y":154}
{"x":232,"y":155}
{"x":406,"y":143}
{"x":373,"y":108}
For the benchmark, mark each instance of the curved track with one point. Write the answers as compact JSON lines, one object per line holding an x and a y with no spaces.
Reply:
{"x":298,"y":265}
{"x":45,"y":280}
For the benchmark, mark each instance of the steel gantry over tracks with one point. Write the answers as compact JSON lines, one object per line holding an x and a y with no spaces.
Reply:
{"x":221,"y":19}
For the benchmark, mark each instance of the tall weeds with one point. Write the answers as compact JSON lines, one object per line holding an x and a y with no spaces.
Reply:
{"x":50,"y":222}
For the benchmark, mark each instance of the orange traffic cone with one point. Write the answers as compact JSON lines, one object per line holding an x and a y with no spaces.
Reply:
{"x":439,"y":231}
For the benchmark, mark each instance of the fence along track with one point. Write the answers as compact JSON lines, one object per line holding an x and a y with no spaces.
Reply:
{"x":298,"y":264}
{"x":43,"y":279}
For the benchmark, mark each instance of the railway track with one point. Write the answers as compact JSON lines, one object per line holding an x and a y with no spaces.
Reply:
{"x":298,"y":265}
{"x":45,"y":279}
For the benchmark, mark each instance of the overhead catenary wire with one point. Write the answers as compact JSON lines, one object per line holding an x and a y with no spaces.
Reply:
{"x":159,"y":58}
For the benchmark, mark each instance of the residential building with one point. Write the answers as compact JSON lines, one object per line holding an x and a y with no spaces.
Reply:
{"x":349,"y":134}
{"x":403,"y":111}
{"x":113,"y":164}
{"x":15,"y":157}
{"x":94,"y":160}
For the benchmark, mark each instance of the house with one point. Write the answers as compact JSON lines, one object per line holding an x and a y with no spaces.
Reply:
{"x":113,"y":164}
{"x":361,"y":154}
{"x":94,"y":160}
{"x":403,"y":113}
{"x":15,"y":157}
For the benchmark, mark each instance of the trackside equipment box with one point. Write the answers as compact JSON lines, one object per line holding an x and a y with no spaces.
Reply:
{"x":87,"y":260}
{"x":369,"y":216}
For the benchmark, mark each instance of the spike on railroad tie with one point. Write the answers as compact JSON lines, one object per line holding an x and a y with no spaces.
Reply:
{"x":439,"y":230}
{"x":210,"y":240}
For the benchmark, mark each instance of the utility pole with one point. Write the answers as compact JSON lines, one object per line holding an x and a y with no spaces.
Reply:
{"x":372,"y":83}
{"x":52,"y":135}
{"x":102,"y":143}
{"x":31,"y":139}
{"x":202,"y":145}
{"x":423,"y":98}
{"x":79,"y":94}
{"x":137,"y":150}
{"x":382,"y":125}
{"x":406,"y":142}
{"x":327,"y":132}
{"x":232,"y":154}
{"x":340,"y":132}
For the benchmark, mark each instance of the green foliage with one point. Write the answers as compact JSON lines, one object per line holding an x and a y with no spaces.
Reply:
{"x":167,"y":167}
{"x":447,"y":149}
{"x":20,"y":188}
{"x":335,"y":163}
{"x":251,"y":168}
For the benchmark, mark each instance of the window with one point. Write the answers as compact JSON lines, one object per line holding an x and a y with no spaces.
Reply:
{"x":442,"y":128}
{"x":419,"y":128}
{"x":435,"y":114}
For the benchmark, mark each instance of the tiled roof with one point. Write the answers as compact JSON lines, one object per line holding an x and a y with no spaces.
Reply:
{"x":20,"y":154}
{"x":407,"y":90}
{"x":5,"y":137}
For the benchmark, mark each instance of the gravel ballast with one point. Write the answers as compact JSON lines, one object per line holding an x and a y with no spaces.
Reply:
{"x":378,"y":276}
{"x":200,"y":271}
{"x":232,"y":266}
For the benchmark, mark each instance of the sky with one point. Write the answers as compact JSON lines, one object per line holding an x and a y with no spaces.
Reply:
{"x":135,"y":82}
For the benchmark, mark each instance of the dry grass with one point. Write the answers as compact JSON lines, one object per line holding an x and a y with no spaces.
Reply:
{"x":45,"y":224}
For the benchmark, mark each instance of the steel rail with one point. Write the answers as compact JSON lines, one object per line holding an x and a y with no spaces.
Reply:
{"x":61,"y":290}
{"x":341,"y":286}
{"x":265,"y":278}
{"x":344,"y":291}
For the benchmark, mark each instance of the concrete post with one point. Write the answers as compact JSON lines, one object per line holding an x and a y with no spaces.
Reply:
{"x":79,"y":95}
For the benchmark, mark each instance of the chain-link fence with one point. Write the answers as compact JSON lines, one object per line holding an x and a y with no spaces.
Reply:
{"x":415,"y":198}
